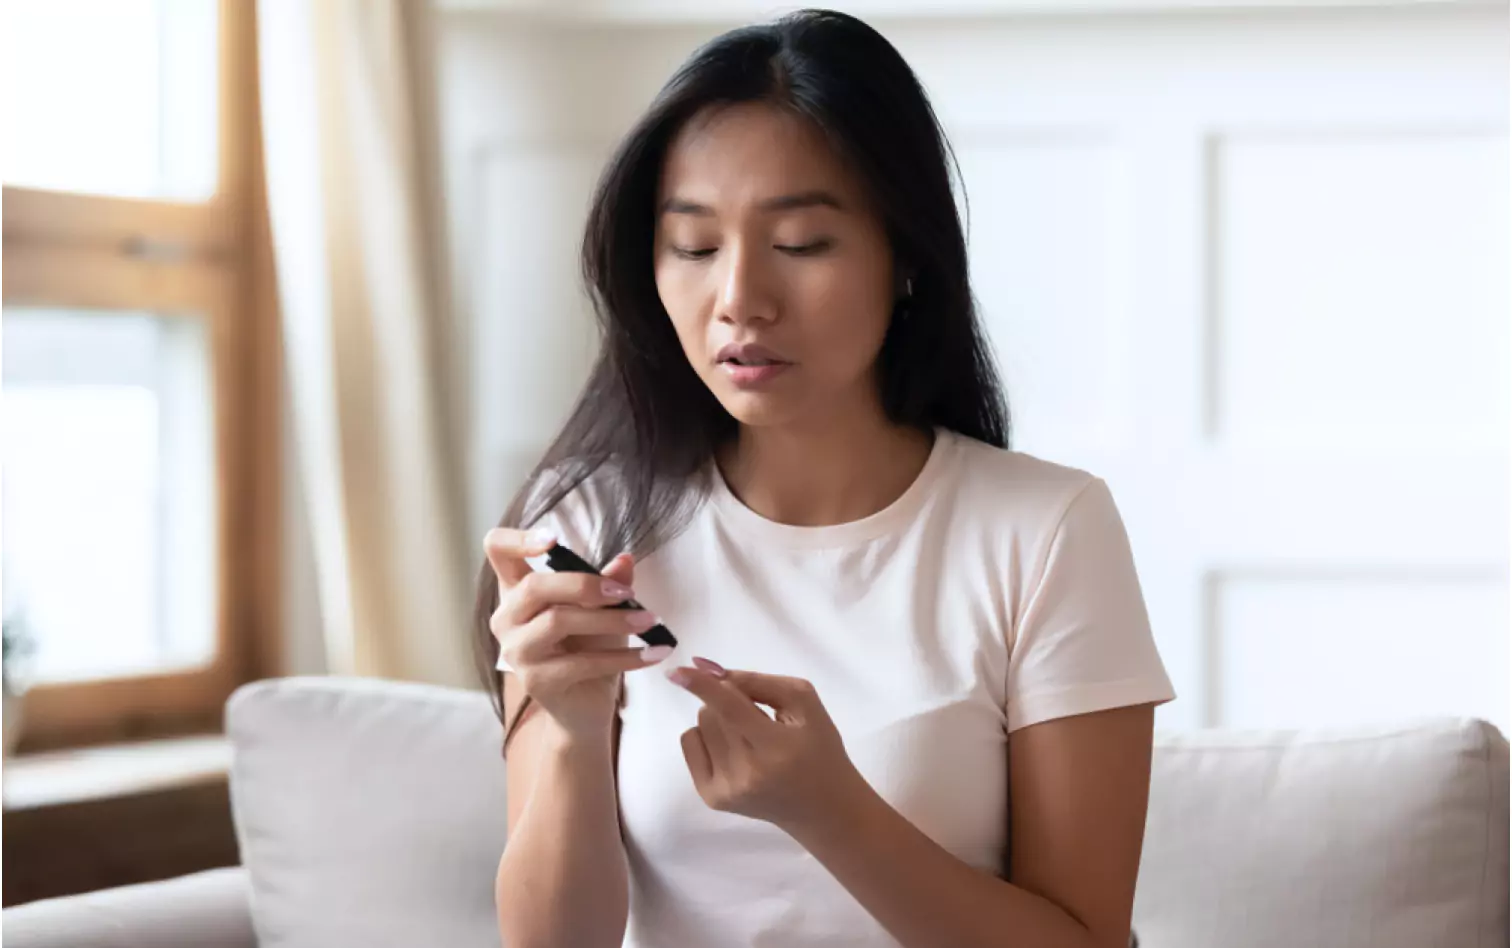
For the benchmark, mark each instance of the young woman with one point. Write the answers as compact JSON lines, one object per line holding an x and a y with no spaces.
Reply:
{"x":935,"y":727}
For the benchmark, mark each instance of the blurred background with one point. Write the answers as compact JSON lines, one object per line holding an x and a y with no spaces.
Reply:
{"x":291,"y":306}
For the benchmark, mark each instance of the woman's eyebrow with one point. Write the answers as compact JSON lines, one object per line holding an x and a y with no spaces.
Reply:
{"x":786,"y":202}
{"x":792,"y":202}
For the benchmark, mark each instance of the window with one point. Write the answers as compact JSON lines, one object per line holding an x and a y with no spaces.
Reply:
{"x":114,"y":97}
{"x":109,"y":462}
{"x":138,"y":437}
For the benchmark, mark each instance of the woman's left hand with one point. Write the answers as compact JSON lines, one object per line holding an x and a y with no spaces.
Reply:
{"x":792,"y":771}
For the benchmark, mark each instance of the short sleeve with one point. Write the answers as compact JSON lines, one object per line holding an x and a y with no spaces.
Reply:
{"x":1083,"y":641}
{"x":572,"y":522}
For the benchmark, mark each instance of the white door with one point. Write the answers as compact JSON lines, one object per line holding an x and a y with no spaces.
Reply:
{"x":1253,"y":270}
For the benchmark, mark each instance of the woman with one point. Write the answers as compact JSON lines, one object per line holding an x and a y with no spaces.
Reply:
{"x":793,"y":448}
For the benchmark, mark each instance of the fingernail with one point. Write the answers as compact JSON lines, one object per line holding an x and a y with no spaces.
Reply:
{"x":614,"y":590}
{"x":542,"y":537}
{"x":655,"y":653}
{"x":678,"y":676}
{"x":712,"y":667}
{"x":640,"y":622}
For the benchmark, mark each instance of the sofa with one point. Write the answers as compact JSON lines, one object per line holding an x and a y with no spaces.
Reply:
{"x":371,"y":813}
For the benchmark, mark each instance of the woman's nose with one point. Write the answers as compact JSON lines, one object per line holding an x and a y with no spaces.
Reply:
{"x":745,"y":291}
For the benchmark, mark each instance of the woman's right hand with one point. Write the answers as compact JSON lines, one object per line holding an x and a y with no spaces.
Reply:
{"x":565,"y":649}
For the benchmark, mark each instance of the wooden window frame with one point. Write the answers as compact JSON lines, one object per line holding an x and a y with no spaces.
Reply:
{"x":212,"y":261}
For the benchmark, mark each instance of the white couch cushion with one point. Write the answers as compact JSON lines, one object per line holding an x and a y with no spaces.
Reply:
{"x":369,"y":813}
{"x":201,"y":910}
{"x":1379,"y":837}
{"x":372,"y":814}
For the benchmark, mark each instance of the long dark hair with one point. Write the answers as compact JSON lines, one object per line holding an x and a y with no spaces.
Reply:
{"x":645,"y":416}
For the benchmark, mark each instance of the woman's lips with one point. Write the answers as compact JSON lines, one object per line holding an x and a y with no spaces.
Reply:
{"x":753,"y":376}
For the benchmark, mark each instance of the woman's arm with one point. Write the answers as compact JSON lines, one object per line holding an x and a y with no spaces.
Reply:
{"x":563,"y":879}
{"x":1079,"y":788}
{"x":1079,"y":793}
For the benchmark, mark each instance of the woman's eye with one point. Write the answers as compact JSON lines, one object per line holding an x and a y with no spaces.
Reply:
{"x":692,"y":253}
{"x":806,"y":250}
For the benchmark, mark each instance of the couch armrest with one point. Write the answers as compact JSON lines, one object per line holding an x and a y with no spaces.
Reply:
{"x":202,"y":910}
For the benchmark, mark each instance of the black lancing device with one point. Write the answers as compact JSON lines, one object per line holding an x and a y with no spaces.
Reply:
{"x":563,"y":560}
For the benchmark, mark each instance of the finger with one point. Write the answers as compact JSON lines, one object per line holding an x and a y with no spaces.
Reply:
{"x":735,"y":709}
{"x":537,"y":592}
{"x":507,"y":548}
{"x":697,"y":756}
{"x":720,"y":743}
{"x":563,"y":628}
{"x":587,"y":666}
{"x":794,"y":695}
{"x":621,"y":569}
{"x":604,"y":642}
{"x":563,"y":671}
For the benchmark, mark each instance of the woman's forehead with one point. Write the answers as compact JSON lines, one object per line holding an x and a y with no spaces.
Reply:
{"x":749,"y":155}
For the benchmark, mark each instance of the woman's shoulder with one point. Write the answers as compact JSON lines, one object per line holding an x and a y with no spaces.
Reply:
{"x":1009,"y":485}
{"x":1005,"y":471}
{"x":573,"y":498}
{"x":598,"y":502}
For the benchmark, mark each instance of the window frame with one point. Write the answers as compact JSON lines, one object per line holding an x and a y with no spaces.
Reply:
{"x":209,"y":260}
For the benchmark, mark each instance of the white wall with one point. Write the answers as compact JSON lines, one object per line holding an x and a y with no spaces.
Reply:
{"x":532,"y":111}
{"x":1249,"y":265}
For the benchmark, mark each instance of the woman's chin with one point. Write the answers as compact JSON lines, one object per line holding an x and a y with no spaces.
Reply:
{"x":761,"y":409}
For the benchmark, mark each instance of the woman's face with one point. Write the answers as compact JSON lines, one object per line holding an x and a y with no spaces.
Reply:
{"x":775,"y":270}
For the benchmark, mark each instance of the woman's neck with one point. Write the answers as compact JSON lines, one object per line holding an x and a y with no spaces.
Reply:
{"x":826,"y":474}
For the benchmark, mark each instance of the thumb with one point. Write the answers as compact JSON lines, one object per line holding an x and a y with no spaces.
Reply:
{"x":621,"y":569}
{"x":794,"y":695}
{"x":506,"y":549}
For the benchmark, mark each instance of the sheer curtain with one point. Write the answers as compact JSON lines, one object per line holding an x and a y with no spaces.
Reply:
{"x":352,"y":160}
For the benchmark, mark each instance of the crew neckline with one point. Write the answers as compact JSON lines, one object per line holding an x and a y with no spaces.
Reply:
{"x":850,"y":533}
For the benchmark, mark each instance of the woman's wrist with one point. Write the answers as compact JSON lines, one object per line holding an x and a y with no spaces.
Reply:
{"x":570,"y":745}
{"x":844,"y":812}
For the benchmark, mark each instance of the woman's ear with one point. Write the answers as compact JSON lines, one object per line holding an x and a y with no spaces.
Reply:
{"x":903,"y":281}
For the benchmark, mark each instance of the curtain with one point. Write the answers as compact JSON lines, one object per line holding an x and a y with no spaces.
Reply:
{"x":351,"y":151}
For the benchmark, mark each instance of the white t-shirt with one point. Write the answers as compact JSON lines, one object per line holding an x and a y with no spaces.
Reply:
{"x":997,"y":592}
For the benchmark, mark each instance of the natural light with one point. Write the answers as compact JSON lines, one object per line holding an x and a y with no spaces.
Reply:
{"x":109,"y":517}
{"x":136,"y":81}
